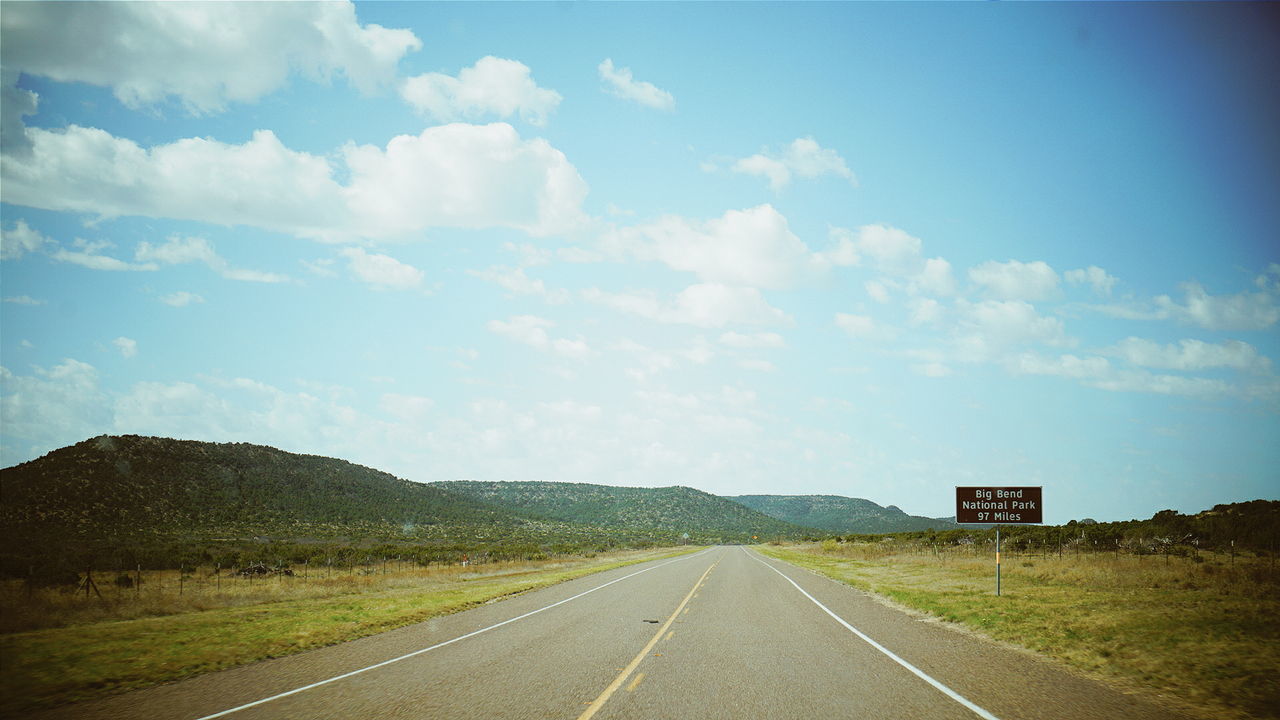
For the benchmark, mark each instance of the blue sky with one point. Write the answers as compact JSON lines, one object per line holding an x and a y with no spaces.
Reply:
{"x":873,"y":250}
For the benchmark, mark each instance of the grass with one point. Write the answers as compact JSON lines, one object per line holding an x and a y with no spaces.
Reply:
{"x":74,"y":648}
{"x":1203,"y":633}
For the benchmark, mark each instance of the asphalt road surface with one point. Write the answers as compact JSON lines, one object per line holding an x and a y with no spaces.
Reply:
{"x":723,"y":633}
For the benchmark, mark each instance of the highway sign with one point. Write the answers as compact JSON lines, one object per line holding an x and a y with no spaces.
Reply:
{"x":999,"y":505}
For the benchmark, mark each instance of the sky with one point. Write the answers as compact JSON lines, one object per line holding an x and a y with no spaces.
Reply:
{"x":873,"y":250}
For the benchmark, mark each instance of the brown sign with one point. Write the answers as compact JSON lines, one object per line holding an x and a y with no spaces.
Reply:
{"x":999,"y":505}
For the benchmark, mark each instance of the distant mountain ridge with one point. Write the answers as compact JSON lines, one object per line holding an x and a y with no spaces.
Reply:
{"x":112,"y":491}
{"x":675,"y":509}
{"x":127,"y":486}
{"x":839,"y":514}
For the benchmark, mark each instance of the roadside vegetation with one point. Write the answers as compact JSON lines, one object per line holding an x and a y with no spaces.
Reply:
{"x":64,"y":644}
{"x":1199,"y":627}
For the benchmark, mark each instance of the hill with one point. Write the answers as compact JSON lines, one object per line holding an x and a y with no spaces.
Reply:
{"x":130,"y":487}
{"x":705,"y":517}
{"x":839,"y":514}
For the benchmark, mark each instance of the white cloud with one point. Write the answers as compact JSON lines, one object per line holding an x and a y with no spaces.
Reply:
{"x":203,"y":54}
{"x":467,"y":176}
{"x":53,"y":407}
{"x":878,"y":290}
{"x":530,"y":255}
{"x":1192,"y":355}
{"x":1015,"y":280}
{"x":409,"y":408}
{"x":988,"y":329}
{"x":933,"y":369}
{"x":891,"y":249}
{"x":382,"y":271}
{"x":864,"y":327}
{"x":620,"y":83}
{"x":181,"y":298}
{"x":751,"y":341}
{"x":531,"y":330}
{"x":1243,"y":311}
{"x":753,"y":247}
{"x":515,"y":280}
{"x":127,"y":347}
{"x":804,"y":157}
{"x":91,"y":259}
{"x":493,"y":86}
{"x":934,"y":279}
{"x":757,"y":365}
{"x":925,"y":311}
{"x":178,"y":250}
{"x":1098,"y":373}
{"x":1101,"y":282}
{"x":14,"y":104}
{"x":703,"y":305}
{"x":894,"y":253}
{"x":20,"y":240}
{"x":24,"y":300}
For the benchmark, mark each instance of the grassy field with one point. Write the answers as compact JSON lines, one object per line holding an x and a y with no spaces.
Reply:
{"x":61,"y":646}
{"x":1204,"y":633}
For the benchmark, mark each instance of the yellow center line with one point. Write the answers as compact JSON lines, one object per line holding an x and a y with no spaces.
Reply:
{"x":626,"y":672}
{"x":634,"y":683}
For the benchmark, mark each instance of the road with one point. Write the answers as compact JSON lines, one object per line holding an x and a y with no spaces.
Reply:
{"x":723,"y":633}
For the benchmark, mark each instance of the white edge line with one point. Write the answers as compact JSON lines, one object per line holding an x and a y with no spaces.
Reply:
{"x":914,"y":670}
{"x":406,"y":656}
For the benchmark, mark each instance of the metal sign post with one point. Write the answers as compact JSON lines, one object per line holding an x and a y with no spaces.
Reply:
{"x":997,"y":561}
{"x":999,"y":506}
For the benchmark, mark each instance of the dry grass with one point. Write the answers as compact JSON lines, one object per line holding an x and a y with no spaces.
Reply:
{"x":88,"y":647}
{"x":169,"y":592}
{"x":1204,"y":632}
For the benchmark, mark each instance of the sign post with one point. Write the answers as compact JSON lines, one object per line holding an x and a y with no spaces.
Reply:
{"x":999,"y":506}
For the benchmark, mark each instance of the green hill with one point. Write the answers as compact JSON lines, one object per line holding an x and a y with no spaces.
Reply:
{"x":839,"y":514}
{"x":675,"y":510}
{"x":131,"y":487}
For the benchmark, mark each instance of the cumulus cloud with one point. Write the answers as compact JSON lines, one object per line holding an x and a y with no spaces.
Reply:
{"x":1094,"y":276}
{"x":1098,"y":373}
{"x":492,"y":87}
{"x":127,"y":346}
{"x":88,"y":254}
{"x":516,"y":281}
{"x":20,"y":240}
{"x":932,"y":369}
{"x":1014,"y":280}
{"x":182,"y":298}
{"x":708,"y":305}
{"x":177,"y":250}
{"x":467,"y":176}
{"x":753,"y":247}
{"x":895,"y":254}
{"x":382,"y":271}
{"x":864,"y":327}
{"x":988,"y":329}
{"x":409,"y":408}
{"x":15,"y":103}
{"x":531,"y":330}
{"x":205,"y":55}
{"x":620,"y":83}
{"x":925,"y":311}
{"x":751,"y":341}
{"x":53,"y":406}
{"x":804,"y":157}
{"x":1192,"y":354}
{"x":1242,"y":311}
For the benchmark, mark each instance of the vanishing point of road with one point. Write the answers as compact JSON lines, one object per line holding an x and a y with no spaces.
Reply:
{"x":722,"y":633}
